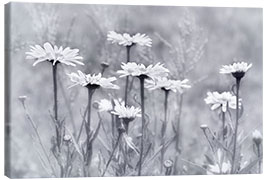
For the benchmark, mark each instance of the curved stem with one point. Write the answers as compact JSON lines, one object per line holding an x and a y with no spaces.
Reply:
{"x":236,"y":124}
{"x":143,"y":123}
{"x":113,"y":151}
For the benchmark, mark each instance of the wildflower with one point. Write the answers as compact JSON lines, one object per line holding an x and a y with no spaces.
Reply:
{"x":167,"y":84}
{"x":221,"y":166}
{"x":54,"y":54}
{"x":126,"y":112}
{"x":96,"y":81}
{"x":128,"y":40}
{"x":224,"y":168}
{"x":237,"y":69}
{"x":139,"y":70}
{"x":257,"y":137}
{"x":221,"y":100}
{"x":105,"y":105}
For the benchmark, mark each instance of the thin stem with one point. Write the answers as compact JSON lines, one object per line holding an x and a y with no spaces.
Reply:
{"x":236,"y":124}
{"x":143,"y":123}
{"x":113,"y":151}
{"x":57,"y":126}
{"x":127,"y":78}
{"x":259,"y":156}
{"x":178,"y":140}
{"x":88,"y":131}
{"x":223,"y":127}
{"x":113,"y":128}
{"x":164,"y":127}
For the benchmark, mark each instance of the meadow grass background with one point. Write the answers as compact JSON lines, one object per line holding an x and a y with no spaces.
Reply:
{"x":226,"y":32}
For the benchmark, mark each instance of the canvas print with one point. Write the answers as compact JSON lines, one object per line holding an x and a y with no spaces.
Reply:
{"x":124,"y":90}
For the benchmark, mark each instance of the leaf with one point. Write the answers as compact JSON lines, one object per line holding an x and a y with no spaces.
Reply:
{"x":209,"y":160}
{"x":77,"y":147}
{"x":130,"y":144}
{"x":246,"y":169}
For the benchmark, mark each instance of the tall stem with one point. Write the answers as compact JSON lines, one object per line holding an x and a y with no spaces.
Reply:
{"x":178,"y":135}
{"x":223,"y":127}
{"x":163,"y":130}
{"x":88,"y":132}
{"x":236,"y":124}
{"x":127,"y":78}
{"x":57,"y":126}
{"x":143,"y":123}
{"x":259,"y":156}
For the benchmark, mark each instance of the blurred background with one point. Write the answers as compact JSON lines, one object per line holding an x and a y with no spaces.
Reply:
{"x":192,"y":42}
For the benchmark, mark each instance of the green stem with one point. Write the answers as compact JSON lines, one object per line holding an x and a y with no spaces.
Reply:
{"x":236,"y":124}
{"x":143,"y":124}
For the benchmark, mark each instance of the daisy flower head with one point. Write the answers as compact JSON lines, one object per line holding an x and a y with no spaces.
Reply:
{"x":224,"y":168}
{"x":167,"y":84}
{"x":129,"y":40}
{"x":257,"y":137}
{"x":140,"y":70}
{"x":128,"y":113}
{"x":104,"y":105}
{"x":221,"y":100}
{"x":237,"y":69}
{"x":92,"y":81}
{"x":54,"y":54}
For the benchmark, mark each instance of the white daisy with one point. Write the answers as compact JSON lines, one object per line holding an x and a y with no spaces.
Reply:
{"x":105,"y":105}
{"x":167,"y":84}
{"x":237,"y":69}
{"x":128,"y":40}
{"x":126,"y":112}
{"x":137,"y":70}
{"x":257,"y":137}
{"x":223,"y":100}
{"x":88,"y":80}
{"x":54,"y":54}
{"x":224,"y":168}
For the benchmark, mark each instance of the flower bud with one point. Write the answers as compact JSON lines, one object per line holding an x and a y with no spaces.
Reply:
{"x":168,"y":163}
{"x":204,"y":126}
{"x":257,"y":137}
